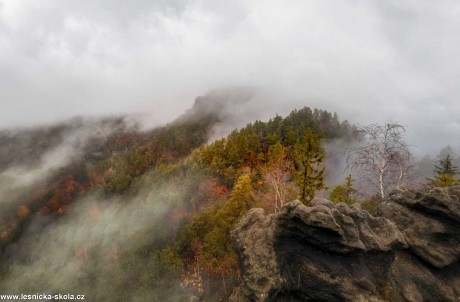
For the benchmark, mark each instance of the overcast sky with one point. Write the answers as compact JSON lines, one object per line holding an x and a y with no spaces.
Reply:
{"x":371,"y":61}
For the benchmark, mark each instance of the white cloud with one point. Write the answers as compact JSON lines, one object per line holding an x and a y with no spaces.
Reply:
{"x":369,"y":61}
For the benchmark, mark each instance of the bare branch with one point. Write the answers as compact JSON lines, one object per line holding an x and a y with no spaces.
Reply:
{"x":384,"y":160}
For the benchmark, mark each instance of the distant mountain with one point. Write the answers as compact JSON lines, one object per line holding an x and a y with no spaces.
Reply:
{"x":25,"y":147}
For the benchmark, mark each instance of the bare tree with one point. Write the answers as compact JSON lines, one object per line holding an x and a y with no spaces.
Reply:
{"x":278,"y":177}
{"x":383,"y":160}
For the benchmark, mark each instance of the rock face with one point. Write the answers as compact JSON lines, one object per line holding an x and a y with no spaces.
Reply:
{"x":410,"y":251}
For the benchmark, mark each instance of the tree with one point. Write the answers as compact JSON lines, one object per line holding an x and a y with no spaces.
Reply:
{"x":447,"y":150}
{"x":344,"y":193}
{"x":383,"y":160}
{"x":308,"y":157}
{"x":446,"y":166}
{"x":23,"y":212}
{"x":277,"y":176}
{"x":445,"y":172}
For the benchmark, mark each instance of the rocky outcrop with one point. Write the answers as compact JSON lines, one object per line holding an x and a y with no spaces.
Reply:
{"x":430,"y":221}
{"x":409,"y":251}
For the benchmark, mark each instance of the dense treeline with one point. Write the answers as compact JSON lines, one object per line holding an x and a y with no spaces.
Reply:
{"x":250,"y":146}
{"x":263,"y":164}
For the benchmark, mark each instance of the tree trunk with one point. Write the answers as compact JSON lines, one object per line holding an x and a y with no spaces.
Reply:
{"x":382,"y":191}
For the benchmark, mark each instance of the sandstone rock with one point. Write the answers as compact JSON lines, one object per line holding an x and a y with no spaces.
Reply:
{"x":255,"y":233}
{"x":326,"y":252}
{"x":322,"y":202}
{"x":430,"y":222}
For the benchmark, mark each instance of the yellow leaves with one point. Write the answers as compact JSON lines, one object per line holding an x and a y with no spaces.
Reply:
{"x":445,"y":180}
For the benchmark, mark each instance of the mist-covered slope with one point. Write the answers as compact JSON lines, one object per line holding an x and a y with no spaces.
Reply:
{"x":105,"y":209}
{"x":131,"y":215}
{"x":46,"y":168}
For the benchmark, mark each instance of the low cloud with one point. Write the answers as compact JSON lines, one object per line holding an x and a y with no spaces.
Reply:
{"x":93,"y":237}
{"x":368,"y":61}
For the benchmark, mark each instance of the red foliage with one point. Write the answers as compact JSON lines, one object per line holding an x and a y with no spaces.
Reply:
{"x":208,"y":192}
{"x":64,"y":192}
{"x":217,"y":189}
{"x":252,"y":159}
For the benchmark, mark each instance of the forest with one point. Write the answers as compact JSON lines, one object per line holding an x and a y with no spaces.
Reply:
{"x":150,"y":213}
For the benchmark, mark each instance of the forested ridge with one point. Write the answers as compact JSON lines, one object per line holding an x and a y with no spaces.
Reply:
{"x":183,"y":193}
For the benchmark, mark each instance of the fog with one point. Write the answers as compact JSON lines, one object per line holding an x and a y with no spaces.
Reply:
{"x":369,"y":61}
{"x":82,"y":252}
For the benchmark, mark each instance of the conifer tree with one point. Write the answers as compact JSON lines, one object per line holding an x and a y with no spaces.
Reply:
{"x":309,"y":176}
{"x":445,"y":172}
{"x":344,"y":193}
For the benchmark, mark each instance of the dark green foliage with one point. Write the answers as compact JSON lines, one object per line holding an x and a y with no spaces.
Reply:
{"x":371,"y":203}
{"x":344,"y":193}
{"x":445,"y":166}
{"x":213,"y":226}
{"x":164,"y":146}
{"x":308,"y":157}
{"x":249,"y":146}
{"x":445,"y":172}
{"x":205,"y":243}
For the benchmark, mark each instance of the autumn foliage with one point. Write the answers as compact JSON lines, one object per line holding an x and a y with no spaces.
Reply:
{"x":260,"y":165}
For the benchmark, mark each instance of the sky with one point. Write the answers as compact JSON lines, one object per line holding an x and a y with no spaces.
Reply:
{"x":369,"y":61}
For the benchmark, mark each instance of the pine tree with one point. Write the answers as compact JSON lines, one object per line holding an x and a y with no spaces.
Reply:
{"x":344,"y":193}
{"x":446,"y":166}
{"x":308,"y":156}
{"x":445,"y":172}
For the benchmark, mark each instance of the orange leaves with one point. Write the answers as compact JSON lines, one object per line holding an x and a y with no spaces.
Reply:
{"x":22,"y":212}
{"x":211,"y":190}
{"x":217,"y":189}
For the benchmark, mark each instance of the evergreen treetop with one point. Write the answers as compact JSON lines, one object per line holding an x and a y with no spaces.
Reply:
{"x":308,"y":157}
{"x":446,"y":166}
{"x":445,"y":172}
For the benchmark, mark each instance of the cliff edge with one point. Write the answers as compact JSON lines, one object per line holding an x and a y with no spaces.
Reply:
{"x":409,"y":251}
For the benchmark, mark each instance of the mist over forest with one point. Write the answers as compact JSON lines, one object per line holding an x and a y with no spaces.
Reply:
{"x":94,"y":204}
{"x":173,"y":150}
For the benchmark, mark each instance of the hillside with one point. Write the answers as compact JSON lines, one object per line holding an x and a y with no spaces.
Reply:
{"x":229,"y":151}
{"x":103,"y":209}
{"x":148,"y":207}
